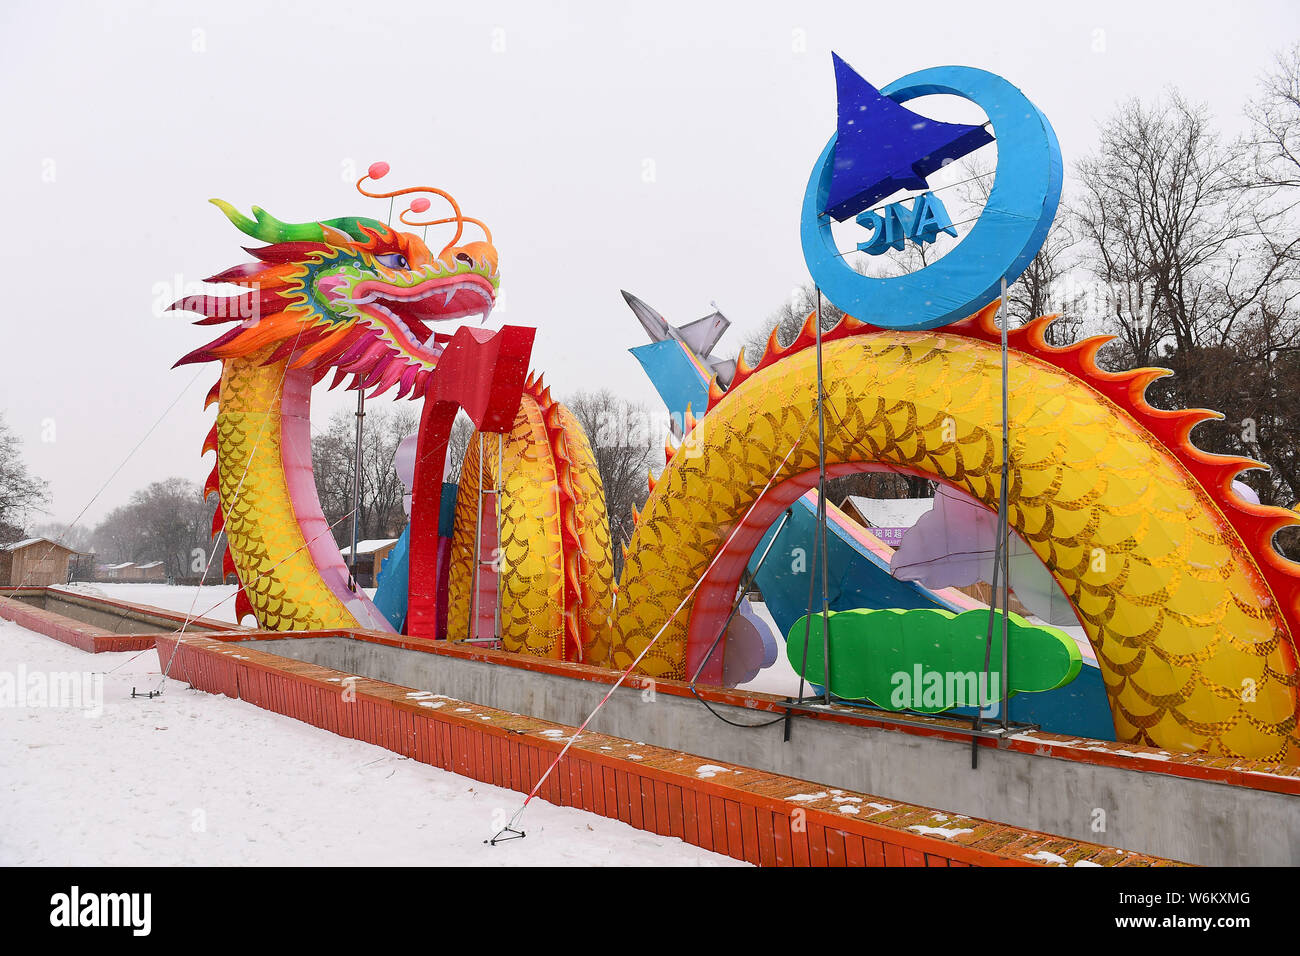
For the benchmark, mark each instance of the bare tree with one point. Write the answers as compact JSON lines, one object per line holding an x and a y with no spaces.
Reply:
{"x":882,"y":484}
{"x":167,"y":521}
{"x":789,"y":318}
{"x":1260,"y":380}
{"x":1044,"y":288}
{"x":462,"y":430}
{"x":333,"y":456}
{"x":20,"y":492}
{"x":1168,"y":229}
{"x":78,"y":538}
{"x":117,"y":538}
{"x":1274,"y":116}
{"x":627,"y":442}
{"x":1196,"y":242}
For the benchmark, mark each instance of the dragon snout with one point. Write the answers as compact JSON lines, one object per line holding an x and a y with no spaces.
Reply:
{"x":476,"y":255}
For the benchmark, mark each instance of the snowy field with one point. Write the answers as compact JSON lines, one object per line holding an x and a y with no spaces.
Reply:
{"x":195,"y":779}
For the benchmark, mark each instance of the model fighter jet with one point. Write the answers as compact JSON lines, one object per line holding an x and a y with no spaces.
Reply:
{"x":698,"y":337}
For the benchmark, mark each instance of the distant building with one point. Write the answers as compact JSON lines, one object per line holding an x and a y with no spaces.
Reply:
{"x":371,"y":555}
{"x":34,"y":562}
{"x":146,"y":572}
{"x":888,"y":518}
{"x":152,"y":571}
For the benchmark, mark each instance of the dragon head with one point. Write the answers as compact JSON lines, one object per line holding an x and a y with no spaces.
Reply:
{"x":350,"y":294}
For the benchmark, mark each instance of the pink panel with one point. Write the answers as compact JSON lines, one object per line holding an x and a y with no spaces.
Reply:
{"x":295,"y":452}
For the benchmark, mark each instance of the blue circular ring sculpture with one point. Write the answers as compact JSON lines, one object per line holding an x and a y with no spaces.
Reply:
{"x":1003,"y":241}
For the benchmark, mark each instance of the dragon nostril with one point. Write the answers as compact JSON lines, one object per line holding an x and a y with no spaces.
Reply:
{"x":465,"y":257}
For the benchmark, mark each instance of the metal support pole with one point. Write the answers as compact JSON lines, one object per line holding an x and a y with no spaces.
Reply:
{"x":497,"y":553}
{"x":472,"y":630}
{"x":981,"y":700}
{"x":807,"y":640}
{"x":821,"y":510}
{"x":1003,"y":530}
{"x":356,"y":490}
{"x":1001,"y":559}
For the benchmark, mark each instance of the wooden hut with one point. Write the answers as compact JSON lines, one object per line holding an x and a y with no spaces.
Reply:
{"x":34,"y":562}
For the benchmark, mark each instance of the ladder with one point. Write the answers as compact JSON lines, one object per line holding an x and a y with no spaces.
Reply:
{"x":481,"y":628}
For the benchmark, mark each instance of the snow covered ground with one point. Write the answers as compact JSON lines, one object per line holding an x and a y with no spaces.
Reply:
{"x":216,"y":601}
{"x":192,"y":778}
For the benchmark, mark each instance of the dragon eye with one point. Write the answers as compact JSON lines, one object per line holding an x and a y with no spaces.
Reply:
{"x":393,"y":260}
{"x":465,"y":257}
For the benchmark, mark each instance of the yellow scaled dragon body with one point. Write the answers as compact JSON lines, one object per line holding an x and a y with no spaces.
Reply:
{"x":1174,"y":578}
{"x":1189,"y":608}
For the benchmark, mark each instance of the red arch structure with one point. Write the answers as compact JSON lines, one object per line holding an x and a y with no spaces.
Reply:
{"x":717,"y":590}
{"x":482,"y":372}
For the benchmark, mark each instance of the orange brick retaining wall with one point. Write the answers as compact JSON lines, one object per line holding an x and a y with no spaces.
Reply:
{"x":764,"y":818}
{"x":92,"y":639}
{"x":1233,"y":771}
{"x":87,"y":637}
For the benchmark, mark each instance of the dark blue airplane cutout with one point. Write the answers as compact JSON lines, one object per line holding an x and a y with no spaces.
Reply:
{"x":883,"y":147}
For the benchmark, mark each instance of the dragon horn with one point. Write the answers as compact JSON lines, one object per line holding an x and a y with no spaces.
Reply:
{"x":267,"y":228}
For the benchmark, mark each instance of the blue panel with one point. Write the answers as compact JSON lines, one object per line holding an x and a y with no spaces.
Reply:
{"x":675,"y":377}
{"x":860,"y":578}
{"x":447,"y":510}
{"x":1078,"y":709}
{"x":390,"y":589}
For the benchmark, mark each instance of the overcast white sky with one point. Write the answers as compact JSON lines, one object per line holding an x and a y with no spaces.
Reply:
{"x":120,"y":122}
